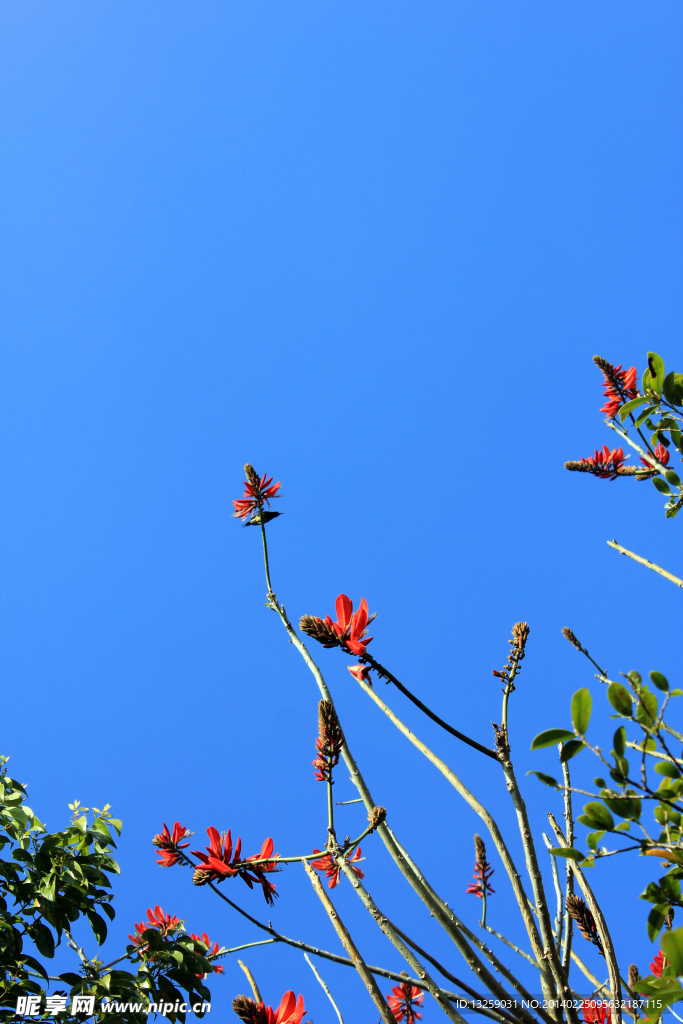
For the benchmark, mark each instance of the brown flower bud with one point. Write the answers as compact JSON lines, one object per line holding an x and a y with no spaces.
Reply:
{"x":480,"y":851}
{"x":520,"y":633}
{"x":201,"y":877}
{"x":376,"y":816}
{"x":604,"y":365}
{"x":249,"y":1011}
{"x":633,"y":976}
{"x":577,"y":909}
{"x":568,"y":635}
{"x":319,"y":630}
{"x":253,"y":477}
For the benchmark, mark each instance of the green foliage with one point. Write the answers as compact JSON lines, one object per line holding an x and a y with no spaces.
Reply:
{"x":581,"y":711}
{"x":50,"y":881}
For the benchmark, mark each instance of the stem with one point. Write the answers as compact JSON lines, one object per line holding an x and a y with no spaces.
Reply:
{"x":605,"y":938}
{"x":398,"y":942}
{"x":569,"y":877}
{"x":558,"y":893}
{"x":348,"y":944}
{"x":324,"y":987}
{"x":252,"y":982}
{"x":249,"y":945}
{"x":265,"y":562}
{"x":507,"y":942}
{"x":646,"y":562}
{"x":513,"y":874}
{"x":384,"y":673}
{"x":483,"y":904}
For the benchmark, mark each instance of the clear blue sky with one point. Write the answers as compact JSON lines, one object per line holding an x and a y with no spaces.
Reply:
{"x":370,"y":248}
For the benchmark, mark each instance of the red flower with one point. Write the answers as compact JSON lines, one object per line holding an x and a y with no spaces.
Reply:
{"x":332,"y":869}
{"x":661,"y":455}
{"x":156,"y":919}
{"x":482,"y":870}
{"x":658,"y":964}
{"x":329,"y":742}
{"x":595,"y":1011}
{"x":606,"y":463}
{"x":402,"y":1002}
{"x":350,"y":628}
{"x":361,"y":672}
{"x":219,"y":862}
{"x":169,"y":845}
{"x":204,"y":938}
{"x":290,"y":1011}
{"x":256,"y":492}
{"x":620,"y":387}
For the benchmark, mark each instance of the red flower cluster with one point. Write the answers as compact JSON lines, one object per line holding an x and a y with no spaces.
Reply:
{"x":482,"y":873}
{"x":620,"y":387}
{"x":606,"y":463}
{"x":219,"y":863}
{"x":403,"y":1000}
{"x":658,"y":964}
{"x":209,"y":951}
{"x":595,"y":1011}
{"x":156,"y":919}
{"x":350,"y":628}
{"x":332,"y":869}
{"x":662,"y":456}
{"x":169,"y":845}
{"x":256,"y":492}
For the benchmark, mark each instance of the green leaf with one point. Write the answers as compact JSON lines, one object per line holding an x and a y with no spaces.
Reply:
{"x":672,"y":477}
{"x":656,"y":919}
{"x":568,"y":852}
{"x":593,"y":838}
{"x":668,"y":769}
{"x":620,"y":699}
{"x":571,"y":749}
{"x":43,"y":938}
{"x":624,"y":806}
{"x":581,"y":710}
{"x":98,"y":925}
{"x":599,"y":813}
{"x":660,"y":681}
{"x":551,"y":737}
{"x":673,"y":388}
{"x":620,"y":741}
{"x":672,"y":944}
{"x":547,"y":779}
{"x":655,"y":365}
{"x":31,"y":961}
{"x":630,"y":406}
{"x":646,"y":712}
{"x":677,"y":693}
{"x":644,"y":415}
{"x":661,"y":485}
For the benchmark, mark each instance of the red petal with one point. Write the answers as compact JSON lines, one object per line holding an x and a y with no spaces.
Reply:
{"x":344,"y":606}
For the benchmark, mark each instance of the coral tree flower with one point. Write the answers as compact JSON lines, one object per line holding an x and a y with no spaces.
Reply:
{"x":595,"y":1012}
{"x":361,"y":673}
{"x":605,"y":464}
{"x":347,"y":632}
{"x":257,"y":492}
{"x":620,"y":386}
{"x":204,"y":938}
{"x":332,"y":869}
{"x":290,"y":1011}
{"x":482,"y":871}
{"x":658,"y":964}
{"x":169,"y":845}
{"x":219,"y":863}
{"x":661,"y":455}
{"x":403,"y":1001}
{"x":156,"y":919}
{"x":329,"y":742}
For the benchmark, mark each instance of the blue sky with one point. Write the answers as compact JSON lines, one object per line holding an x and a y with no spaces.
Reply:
{"x":370,"y":249}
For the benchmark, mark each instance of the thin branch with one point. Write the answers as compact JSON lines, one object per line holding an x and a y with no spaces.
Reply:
{"x":605,"y":938}
{"x":252,"y":981}
{"x":645,"y":562}
{"x":558,"y":895}
{"x":384,"y":673}
{"x":349,"y":945}
{"x":397,"y":941}
{"x":492,"y":931}
{"x":569,"y":878}
{"x":324,"y":987}
{"x":248,"y":945}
